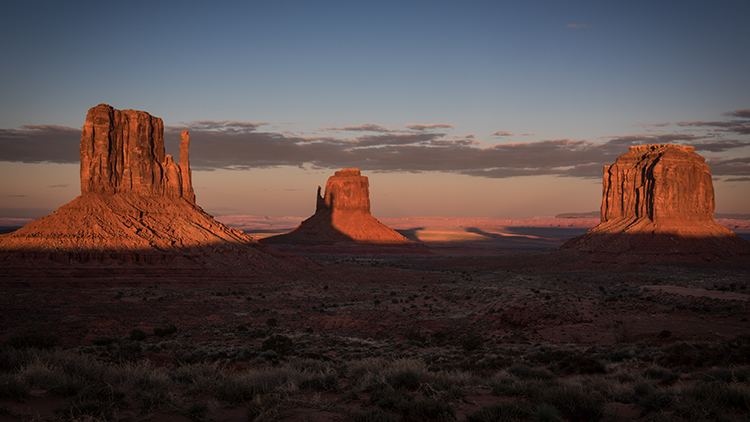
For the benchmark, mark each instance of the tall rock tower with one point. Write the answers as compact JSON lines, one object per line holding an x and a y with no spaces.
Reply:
{"x":122,"y":151}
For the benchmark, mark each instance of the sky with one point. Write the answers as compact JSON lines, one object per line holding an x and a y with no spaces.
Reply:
{"x":468,"y":109}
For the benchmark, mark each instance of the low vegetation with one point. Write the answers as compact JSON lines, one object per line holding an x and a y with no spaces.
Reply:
{"x":268,"y":378}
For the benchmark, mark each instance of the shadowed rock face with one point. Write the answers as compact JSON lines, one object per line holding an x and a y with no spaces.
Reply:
{"x":342,"y":215}
{"x":658,"y":199}
{"x":136,"y":204}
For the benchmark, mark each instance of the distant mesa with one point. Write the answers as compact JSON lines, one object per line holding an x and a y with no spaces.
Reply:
{"x":342,"y":215}
{"x":136,"y":203}
{"x":659,"y":199}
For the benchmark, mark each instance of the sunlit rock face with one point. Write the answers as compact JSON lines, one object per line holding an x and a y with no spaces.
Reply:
{"x":660,"y":183}
{"x":658,"y":199}
{"x":342,"y":215}
{"x":122,"y":151}
{"x":136,"y":203}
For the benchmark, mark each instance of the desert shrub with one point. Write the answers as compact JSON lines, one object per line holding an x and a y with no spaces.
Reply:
{"x":728,"y":375}
{"x":547,"y":413}
{"x":361,"y":373}
{"x":386,"y":397}
{"x":241,"y":387}
{"x":503,"y":383}
{"x":666,"y":376}
{"x":507,"y":411}
{"x":569,"y":362}
{"x":719,"y":395}
{"x":279,"y":343}
{"x":428,"y":410}
{"x":656,"y":401}
{"x":137,"y":335}
{"x":165,"y":331}
{"x":320,"y":381}
{"x":734,"y":351}
{"x":198,"y":378}
{"x":82,"y":410}
{"x":31,"y":341}
{"x":575,"y":402}
{"x":469,"y":342}
{"x":407,"y":379}
{"x":271,"y":322}
{"x":197,"y":411}
{"x":376,"y":415}
{"x":415,"y":336}
{"x":13,"y":388}
{"x":526,"y":372}
{"x":103,"y":341}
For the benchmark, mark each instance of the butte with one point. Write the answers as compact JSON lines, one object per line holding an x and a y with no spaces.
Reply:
{"x":342,"y":215}
{"x":658,"y":203}
{"x":137,"y":206}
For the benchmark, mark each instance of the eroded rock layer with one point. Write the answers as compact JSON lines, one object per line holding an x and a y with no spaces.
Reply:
{"x":136,"y":204}
{"x":659,"y":199}
{"x":342,"y":215}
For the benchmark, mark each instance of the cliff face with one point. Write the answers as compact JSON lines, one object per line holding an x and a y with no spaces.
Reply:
{"x":342,"y":215}
{"x":122,"y":151}
{"x":661,"y":183}
{"x":658,"y":199}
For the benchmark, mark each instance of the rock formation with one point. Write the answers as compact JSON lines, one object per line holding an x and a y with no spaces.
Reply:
{"x":136,"y":203}
{"x":342,"y":215}
{"x":658,"y":199}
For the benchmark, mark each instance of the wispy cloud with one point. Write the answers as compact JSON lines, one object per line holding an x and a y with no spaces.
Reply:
{"x":366,"y":127}
{"x":415,"y":126}
{"x":409,"y":148}
{"x":502,"y":133}
{"x":579,"y":25}
{"x":59,"y":186}
{"x":738,"y":179}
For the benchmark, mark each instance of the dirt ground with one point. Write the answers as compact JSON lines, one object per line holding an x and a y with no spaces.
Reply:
{"x":505,"y":285}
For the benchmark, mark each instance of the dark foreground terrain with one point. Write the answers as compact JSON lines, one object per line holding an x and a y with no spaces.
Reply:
{"x":497,"y":329}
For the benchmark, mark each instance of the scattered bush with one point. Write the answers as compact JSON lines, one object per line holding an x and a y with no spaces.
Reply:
{"x":31,"y":341}
{"x":103,"y":341}
{"x":507,"y":411}
{"x":137,"y":335}
{"x":575,"y":402}
{"x":165,"y":331}
{"x":279,"y":343}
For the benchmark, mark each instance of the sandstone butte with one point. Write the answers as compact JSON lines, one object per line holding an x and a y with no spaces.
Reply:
{"x":342,"y":215}
{"x":659,"y":199}
{"x":136,"y":204}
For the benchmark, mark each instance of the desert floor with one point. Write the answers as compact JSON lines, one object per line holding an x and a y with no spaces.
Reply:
{"x":472,"y":298}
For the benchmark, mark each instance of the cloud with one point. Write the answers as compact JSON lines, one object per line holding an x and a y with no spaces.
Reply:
{"x":410,"y":148}
{"x":415,"y":126}
{"x":579,"y":25}
{"x":40,"y":144}
{"x":502,"y":133}
{"x":738,"y":179}
{"x":743,"y":113}
{"x":59,"y":186}
{"x":366,"y":127}
{"x":225,"y":125}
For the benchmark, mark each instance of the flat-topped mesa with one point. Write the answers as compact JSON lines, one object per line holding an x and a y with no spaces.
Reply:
{"x":659,"y":199}
{"x":663,"y":183}
{"x":342,"y":215}
{"x":122,"y":151}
